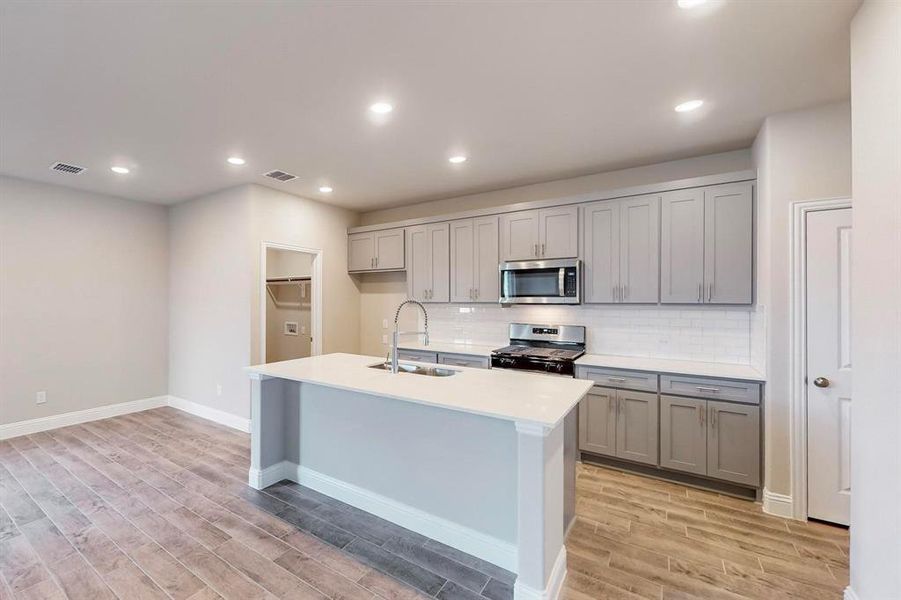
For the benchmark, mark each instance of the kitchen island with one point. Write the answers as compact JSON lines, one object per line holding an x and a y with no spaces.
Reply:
{"x":474,"y":459}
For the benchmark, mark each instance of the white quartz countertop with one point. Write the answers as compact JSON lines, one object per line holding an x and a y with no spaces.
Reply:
{"x":673,"y":366}
{"x":450,"y":347}
{"x":511,"y":395}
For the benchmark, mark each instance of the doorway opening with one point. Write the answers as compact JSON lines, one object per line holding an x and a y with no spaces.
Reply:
{"x":290,"y":302}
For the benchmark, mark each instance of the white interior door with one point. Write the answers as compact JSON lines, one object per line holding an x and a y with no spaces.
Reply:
{"x":829,"y":365}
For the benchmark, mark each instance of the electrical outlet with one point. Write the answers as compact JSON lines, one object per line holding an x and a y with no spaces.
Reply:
{"x":384,"y":323}
{"x":218,"y":389}
{"x":40,"y":397}
{"x":303,"y":328}
{"x":384,"y":339}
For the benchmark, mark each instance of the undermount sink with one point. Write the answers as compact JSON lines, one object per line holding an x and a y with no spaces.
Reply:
{"x":416,"y":369}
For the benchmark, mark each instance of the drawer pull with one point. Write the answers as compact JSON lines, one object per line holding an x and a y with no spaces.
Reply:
{"x":619,"y":379}
{"x":712,"y":390}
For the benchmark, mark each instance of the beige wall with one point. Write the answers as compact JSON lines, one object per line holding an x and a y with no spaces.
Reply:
{"x":800,"y":155}
{"x":876,"y":284}
{"x":380,"y":295}
{"x":83,"y":307}
{"x":711,"y":164}
{"x":216,"y":243}
{"x":211,"y":283}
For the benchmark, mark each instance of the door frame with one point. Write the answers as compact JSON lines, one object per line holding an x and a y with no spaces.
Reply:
{"x":315,"y":293}
{"x":798,"y":345}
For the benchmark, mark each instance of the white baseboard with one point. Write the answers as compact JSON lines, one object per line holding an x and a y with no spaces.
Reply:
{"x":486,"y":547}
{"x":259,"y":479}
{"x":11,"y":430}
{"x":778,"y":505}
{"x":850,"y":594}
{"x":554,"y":588}
{"x":211,"y":414}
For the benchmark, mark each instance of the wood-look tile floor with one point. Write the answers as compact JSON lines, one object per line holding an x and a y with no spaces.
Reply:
{"x":154,"y":505}
{"x":636,"y":537}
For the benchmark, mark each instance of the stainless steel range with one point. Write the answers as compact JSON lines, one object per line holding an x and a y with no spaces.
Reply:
{"x":543,"y":348}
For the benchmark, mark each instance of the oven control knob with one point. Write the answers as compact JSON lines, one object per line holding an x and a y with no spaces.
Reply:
{"x":560,"y":367}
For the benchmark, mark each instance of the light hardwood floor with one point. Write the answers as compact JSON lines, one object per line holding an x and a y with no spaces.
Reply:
{"x":153,"y":505}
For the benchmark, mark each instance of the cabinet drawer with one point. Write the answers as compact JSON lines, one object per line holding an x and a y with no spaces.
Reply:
{"x":747,"y":392}
{"x":417,"y":355}
{"x":617,"y":378}
{"x":463,"y":360}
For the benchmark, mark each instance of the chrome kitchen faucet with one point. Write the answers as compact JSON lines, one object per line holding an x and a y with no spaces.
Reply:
{"x":397,"y":334}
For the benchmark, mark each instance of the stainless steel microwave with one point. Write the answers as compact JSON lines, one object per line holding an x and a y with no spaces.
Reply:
{"x":541,"y":282}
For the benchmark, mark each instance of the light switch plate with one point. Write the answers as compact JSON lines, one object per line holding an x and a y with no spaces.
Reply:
{"x":40,"y":397}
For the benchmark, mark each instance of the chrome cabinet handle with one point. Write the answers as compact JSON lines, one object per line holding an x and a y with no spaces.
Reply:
{"x":542,"y":249}
{"x":821,"y":382}
{"x":712,"y":390}
{"x":701,"y":416}
{"x":700,"y":296}
{"x":710,"y":292}
{"x":625,"y":292}
{"x":713,"y":420}
{"x":620,"y":379}
{"x":376,"y":261}
{"x":372,"y":263}
{"x":477,"y":293}
{"x":535,"y":250}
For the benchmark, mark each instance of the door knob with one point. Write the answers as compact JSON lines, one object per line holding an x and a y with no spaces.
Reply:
{"x":821,"y":382}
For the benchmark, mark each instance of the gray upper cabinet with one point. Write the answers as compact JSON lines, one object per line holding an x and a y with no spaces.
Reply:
{"x":636,"y":426}
{"x":376,"y":250}
{"x":733,"y":442}
{"x":474,"y":259}
{"x":622,"y":250}
{"x":728,"y":243}
{"x":597,"y":421}
{"x":428,"y":263}
{"x":706,"y":245}
{"x":682,"y":246}
{"x":683,"y":434}
{"x":539,"y":234}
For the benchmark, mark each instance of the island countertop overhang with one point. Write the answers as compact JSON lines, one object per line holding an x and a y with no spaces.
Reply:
{"x":525,"y":398}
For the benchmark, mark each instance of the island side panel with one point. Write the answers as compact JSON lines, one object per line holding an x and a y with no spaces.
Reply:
{"x":456,"y":471}
{"x":267,"y":431}
{"x":540,"y":508}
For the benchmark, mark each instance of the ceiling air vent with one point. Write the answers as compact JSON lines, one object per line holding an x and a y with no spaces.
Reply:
{"x":67,"y":168}
{"x":280,"y":175}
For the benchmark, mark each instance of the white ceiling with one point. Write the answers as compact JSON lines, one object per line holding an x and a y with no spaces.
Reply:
{"x":530,"y":91}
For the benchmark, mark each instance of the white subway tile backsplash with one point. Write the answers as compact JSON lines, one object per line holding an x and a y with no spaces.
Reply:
{"x":702,"y":333}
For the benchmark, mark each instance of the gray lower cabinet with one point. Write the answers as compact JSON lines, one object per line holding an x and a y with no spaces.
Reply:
{"x":464,"y":360}
{"x":683,"y":434}
{"x":733,"y":442}
{"x":417,"y":355}
{"x":597,"y":421}
{"x":619,"y":423}
{"x":636,"y":426}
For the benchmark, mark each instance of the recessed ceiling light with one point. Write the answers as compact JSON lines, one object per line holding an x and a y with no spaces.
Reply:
{"x":686,"y":4}
{"x":119,"y":170}
{"x":689,"y":106}
{"x":381,"y":108}
{"x":457,"y":159}
{"x":325,"y":189}
{"x":236,"y":160}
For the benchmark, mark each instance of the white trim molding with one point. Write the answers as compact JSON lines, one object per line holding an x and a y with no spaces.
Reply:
{"x":778,"y":505}
{"x":850,"y":594}
{"x":797,"y":349}
{"x":259,"y":479}
{"x":210,"y":414}
{"x":11,"y":430}
{"x":499,"y":552}
{"x":554,"y":588}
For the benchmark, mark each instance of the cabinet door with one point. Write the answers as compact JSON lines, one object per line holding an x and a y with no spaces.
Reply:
{"x":600,"y":226}
{"x":360,"y":252}
{"x":639,"y":243}
{"x":389,"y":249}
{"x":683,"y":434}
{"x":486,"y":276}
{"x":419,"y":276}
{"x":558,"y":232}
{"x":682,"y":246}
{"x":464,"y":360}
{"x":519,"y":235}
{"x":462,"y":261}
{"x":733,"y":442}
{"x":636,"y":426}
{"x":439,"y":262}
{"x":597,"y":421}
{"x":728,"y":243}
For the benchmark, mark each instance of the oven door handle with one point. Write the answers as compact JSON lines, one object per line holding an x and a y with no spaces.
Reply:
{"x":561,"y":287}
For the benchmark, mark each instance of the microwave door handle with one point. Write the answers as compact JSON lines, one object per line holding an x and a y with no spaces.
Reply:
{"x":561,"y":287}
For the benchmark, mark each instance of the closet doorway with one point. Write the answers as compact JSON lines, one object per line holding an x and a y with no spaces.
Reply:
{"x":290,"y":302}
